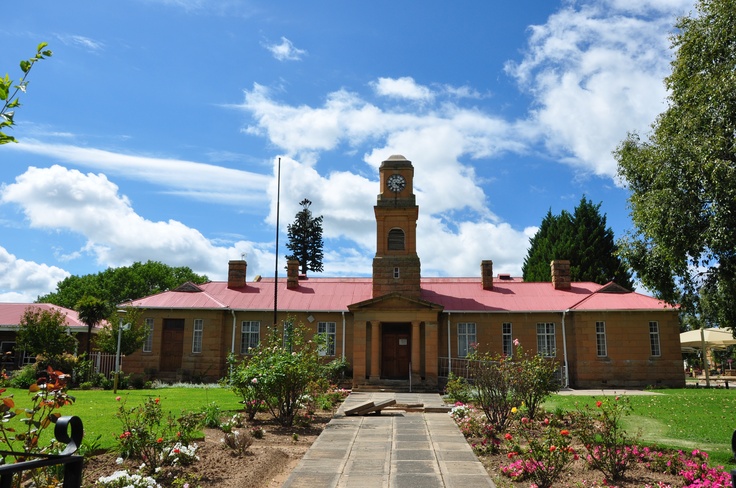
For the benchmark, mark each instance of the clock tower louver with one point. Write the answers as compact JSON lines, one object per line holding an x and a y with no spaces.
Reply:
{"x":396,"y":267}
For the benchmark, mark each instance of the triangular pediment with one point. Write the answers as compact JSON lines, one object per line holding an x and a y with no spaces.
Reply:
{"x":188,"y":287}
{"x":612,"y":287}
{"x":394,"y":301}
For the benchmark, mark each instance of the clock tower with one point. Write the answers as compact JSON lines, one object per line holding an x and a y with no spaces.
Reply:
{"x":396,"y":267}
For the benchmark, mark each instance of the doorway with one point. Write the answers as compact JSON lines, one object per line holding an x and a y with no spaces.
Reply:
{"x":395,"y":351}
{"x":172,"y":344}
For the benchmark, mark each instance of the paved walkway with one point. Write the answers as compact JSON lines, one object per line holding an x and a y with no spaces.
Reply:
{"x":395,"y":449}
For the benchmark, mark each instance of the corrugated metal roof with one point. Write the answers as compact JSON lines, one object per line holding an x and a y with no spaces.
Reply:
{"x":12,"y":313}
{"x":454,"y":294}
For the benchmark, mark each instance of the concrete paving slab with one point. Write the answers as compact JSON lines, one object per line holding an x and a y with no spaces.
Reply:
{"x":395,"y":450}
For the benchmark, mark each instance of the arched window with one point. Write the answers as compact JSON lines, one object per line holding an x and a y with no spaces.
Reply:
{"x":396,"y":240}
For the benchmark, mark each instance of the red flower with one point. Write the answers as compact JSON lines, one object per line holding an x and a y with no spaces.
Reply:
{"x":524,"y":420}
{"x":598,"y":404}
{"x":511,"y":455}
{"x":546,"y":422}
{"x":508,"y":436}
{"x":552,"y":448}
{"x":564,"y":432}
{"x":160,"y":440}
{"x":156,"y":400}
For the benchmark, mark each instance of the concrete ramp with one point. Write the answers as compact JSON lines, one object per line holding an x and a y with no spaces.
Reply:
{"x":370,"y":408}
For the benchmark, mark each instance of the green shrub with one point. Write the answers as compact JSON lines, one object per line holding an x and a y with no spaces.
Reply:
{"x":336,"y":370}
{"x":458,"y":389}
{"x":281,"y":372}
{"x":24,"y":377}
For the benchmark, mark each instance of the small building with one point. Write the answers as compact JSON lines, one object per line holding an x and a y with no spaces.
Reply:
{"x":400,"y":326}
{"x":11,"y":315}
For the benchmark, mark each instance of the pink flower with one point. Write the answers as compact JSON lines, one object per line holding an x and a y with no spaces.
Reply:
{"x":516,"y":342}
{"x":117,"y":398}
{"x":508,"y":436}
{"x":254,"y":381}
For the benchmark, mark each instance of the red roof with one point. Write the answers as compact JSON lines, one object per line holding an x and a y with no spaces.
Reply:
{"x":454,"y":294}
{"x":12,"y":313}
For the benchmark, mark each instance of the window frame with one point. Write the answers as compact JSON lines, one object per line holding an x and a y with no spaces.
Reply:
{"x":547,"y":339}
{"x":148,"y":341}
{"x":655,"y":348}
{"x":254,"y":330}
{"x":197,"y":336}
{"x":466,"y":337}
{"x":507,"y":339}
{"x":396,"y":239}
{"x":601,"y":342}
{"x":327,"y":349}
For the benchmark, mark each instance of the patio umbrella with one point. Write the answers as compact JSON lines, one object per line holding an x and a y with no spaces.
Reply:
{"x":704,"y":339}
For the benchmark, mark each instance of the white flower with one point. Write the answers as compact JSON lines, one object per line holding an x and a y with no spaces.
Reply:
{"x":119,"y":460}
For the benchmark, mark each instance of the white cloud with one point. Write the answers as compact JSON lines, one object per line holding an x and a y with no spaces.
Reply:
{"x":285,"y":51}
{"x":596,"y":74}
{"x":404,"y":87}
{"x":23,"y":281}
{"x":81,"y":41}
{"x":197,"y":181}
{"x":57,"y":198}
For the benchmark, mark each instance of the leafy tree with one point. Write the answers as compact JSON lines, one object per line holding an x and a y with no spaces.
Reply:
{"x":91,"y":311}
{"x":131,"y":337}
{"x":682,"y":178}
{"x":9,"y":91}
{"x":305,"y":239}
{"x":116,"y":285}
{"x":45,"y":332}
{"x":583,"y":238}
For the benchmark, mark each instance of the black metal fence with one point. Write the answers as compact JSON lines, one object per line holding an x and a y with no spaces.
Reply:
{"x":68,"y":430}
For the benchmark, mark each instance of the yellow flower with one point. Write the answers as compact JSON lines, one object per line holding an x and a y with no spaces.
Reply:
{"x":514,"y":410}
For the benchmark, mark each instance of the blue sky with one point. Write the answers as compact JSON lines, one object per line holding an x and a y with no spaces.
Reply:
{"x":154,"y":130}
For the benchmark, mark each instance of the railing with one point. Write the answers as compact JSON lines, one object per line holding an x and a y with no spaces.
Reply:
{"x":464,"y":368}
{"x":72,"y":464}
{"x":103,"y":363}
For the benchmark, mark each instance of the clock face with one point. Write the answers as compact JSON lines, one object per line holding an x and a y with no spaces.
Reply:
{"x":396,"y":183}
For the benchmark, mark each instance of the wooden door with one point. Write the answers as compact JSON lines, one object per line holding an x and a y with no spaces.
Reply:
{"x":395,"y":351}
{"x":172,"y":343}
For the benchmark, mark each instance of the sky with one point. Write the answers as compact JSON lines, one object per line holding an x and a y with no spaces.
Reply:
{"x":155,"y":130}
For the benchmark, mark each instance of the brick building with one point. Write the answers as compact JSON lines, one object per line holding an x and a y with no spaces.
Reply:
{"x":399,"y":326}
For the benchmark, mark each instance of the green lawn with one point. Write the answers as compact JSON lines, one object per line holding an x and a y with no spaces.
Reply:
{"x":98,"y":408}
{"x":682,"y":418}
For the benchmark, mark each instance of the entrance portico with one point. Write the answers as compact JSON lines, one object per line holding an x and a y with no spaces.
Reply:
{"x":396,"y":338}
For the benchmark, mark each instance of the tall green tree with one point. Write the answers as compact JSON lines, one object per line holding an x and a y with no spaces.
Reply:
{"x":91,"y":311}
{"x":132,"y":334}
{"x":9,"y":91}
{"x":116,"y":285}
{"x":682,"y":178}
{"x":305,"y":239}
{"x":44,"y":332}
{"x":584,"y":239}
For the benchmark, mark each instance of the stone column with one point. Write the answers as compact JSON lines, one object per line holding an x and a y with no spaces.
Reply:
{"x":431,"y":349}
{"x":375,"y":351}
{"x":416,"y":353}
{"x":359,"y":352}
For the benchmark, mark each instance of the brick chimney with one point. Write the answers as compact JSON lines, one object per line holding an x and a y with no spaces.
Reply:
{"x":236,"y":273}
{"x":486,"y":274}
{"x":292,"y":274}
{"x":560,"y":269}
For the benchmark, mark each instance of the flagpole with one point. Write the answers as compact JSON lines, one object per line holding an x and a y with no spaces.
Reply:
{"x":276,"y":261}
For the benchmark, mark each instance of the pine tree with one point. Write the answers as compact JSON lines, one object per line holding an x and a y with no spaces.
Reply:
{"x":305,"y":239}
{"x":581,"y":237}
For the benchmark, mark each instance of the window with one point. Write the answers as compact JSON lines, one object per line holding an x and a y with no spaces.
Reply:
{"x":506,"y":340}
{"x":654,"y":338}
{"x":397,"y":274}
{"x":197,"y":336}
{"x":250,"y":336}
{"x":327,"y":329}
{"x":148,"y":343}
{"x":396,"y":240}
{"x":465,"y":338}
{"x":546,"y":340}
{"x":600,"y":339}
